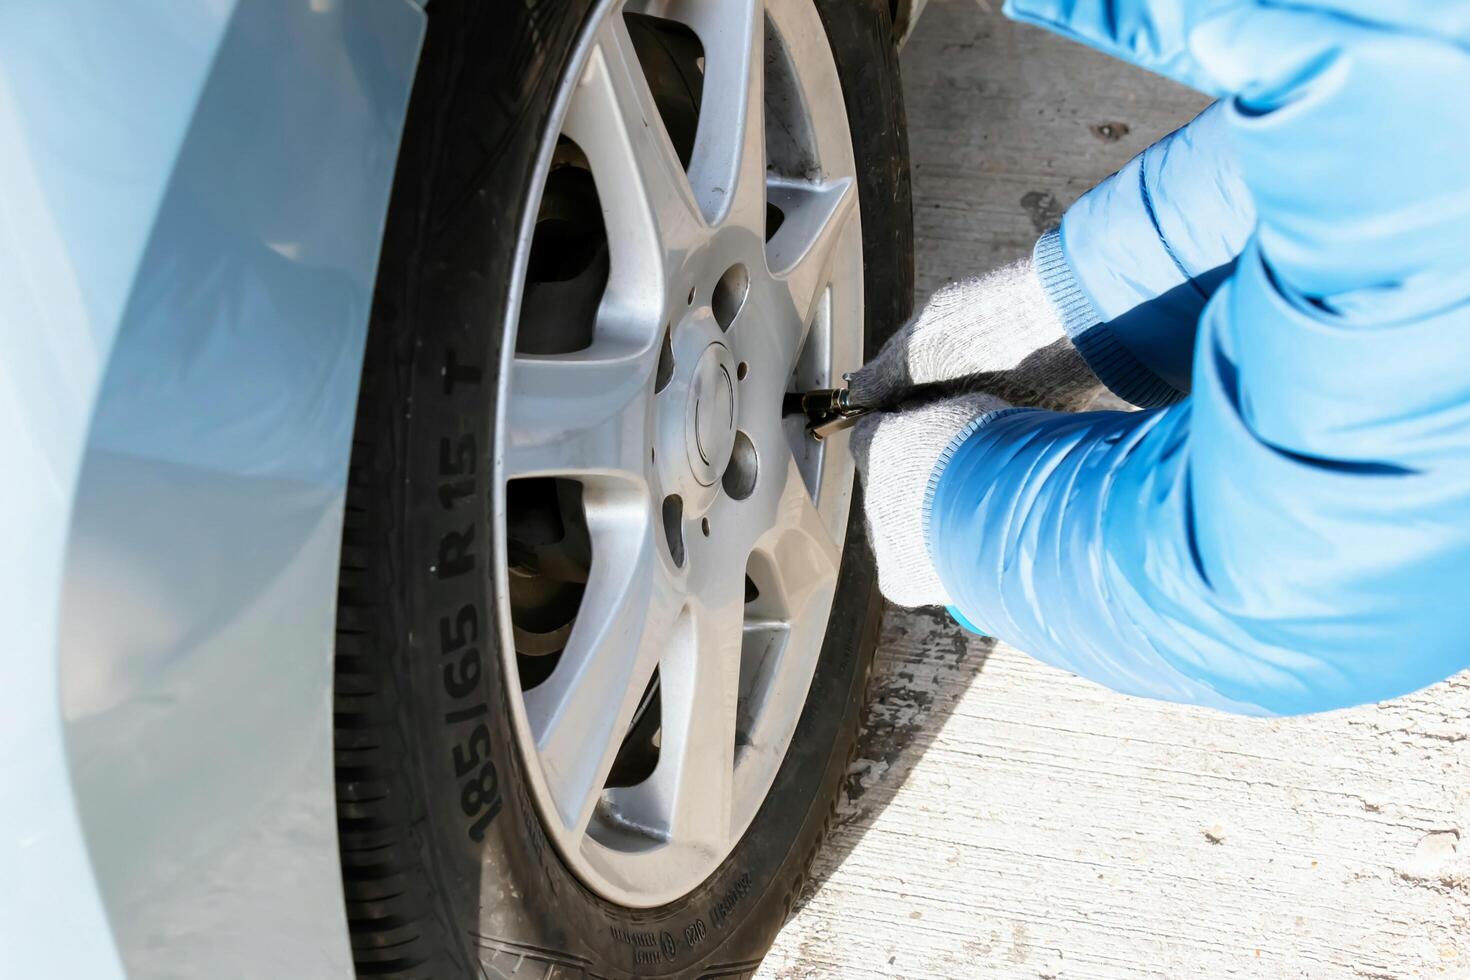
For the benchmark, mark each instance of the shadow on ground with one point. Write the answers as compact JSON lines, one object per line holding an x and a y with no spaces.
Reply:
{"x":924,"y":664}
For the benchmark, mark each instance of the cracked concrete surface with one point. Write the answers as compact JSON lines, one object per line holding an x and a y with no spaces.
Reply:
{"x":1005,"y":819}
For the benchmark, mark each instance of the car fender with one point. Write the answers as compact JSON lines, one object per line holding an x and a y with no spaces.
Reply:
{"x":191,"y":206}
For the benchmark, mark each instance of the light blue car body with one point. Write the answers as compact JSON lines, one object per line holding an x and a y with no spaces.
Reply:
{"x":192,"y":198}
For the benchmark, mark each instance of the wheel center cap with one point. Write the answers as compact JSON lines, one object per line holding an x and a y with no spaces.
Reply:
{"x":710,"y":414}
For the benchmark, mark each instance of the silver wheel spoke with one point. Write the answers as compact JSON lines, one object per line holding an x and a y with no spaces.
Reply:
{"x":801,"y":254}
{"x":728,"y":166}
{"x":579,"y":414}
{"x":801,"y":257}
{"x":798,"y":581}
{"x":687,"y":799}
{"x":700,"y":738}
{"x":579,"y":714}
{"x":804,"y":546}
{"x":649,"y":209}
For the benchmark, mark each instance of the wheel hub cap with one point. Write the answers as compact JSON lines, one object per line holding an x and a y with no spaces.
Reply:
{"x":710,"y":425}
{"x":697,"y":414}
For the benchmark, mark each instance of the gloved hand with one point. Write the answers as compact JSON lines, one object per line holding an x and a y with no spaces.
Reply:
{"x":1295,"y":537}
{"x":999,"y":329}
{"x":896,"y":453}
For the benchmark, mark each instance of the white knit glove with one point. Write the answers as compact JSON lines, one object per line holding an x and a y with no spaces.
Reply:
{"x":1000,"y":330}
{"x":896,"y":453}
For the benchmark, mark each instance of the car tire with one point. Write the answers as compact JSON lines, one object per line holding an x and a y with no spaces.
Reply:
{"x":446,"y":868}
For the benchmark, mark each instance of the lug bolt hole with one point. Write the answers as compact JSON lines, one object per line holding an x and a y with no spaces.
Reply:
{"x":673,"y":514}
{"x":691,"y":295}
{"x":665,"y":371}
{"x":729,"y":295}
{"x":704,"y":525}
{"x":741,"y":473}
{"x":741,"y":370}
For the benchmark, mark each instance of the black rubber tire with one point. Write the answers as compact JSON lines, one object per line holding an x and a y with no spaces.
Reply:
{"x":452,"y":876}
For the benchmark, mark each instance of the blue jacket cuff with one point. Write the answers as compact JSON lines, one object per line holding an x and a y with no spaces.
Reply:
{"x":937,"y":473}
{"x":1078,"y":312}
{"x":1113,"y":363}
{"x":963,"y":620}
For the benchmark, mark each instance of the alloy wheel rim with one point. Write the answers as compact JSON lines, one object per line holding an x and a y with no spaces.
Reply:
{"x":714,"y":525}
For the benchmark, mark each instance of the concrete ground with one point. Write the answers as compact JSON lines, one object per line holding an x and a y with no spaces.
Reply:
{"x":1006,"y":819}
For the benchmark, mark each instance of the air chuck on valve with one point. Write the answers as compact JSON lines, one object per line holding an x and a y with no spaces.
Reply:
{"x":827,"y":410}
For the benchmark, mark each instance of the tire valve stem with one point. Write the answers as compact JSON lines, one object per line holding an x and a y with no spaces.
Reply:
{"x":827,"y":410}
